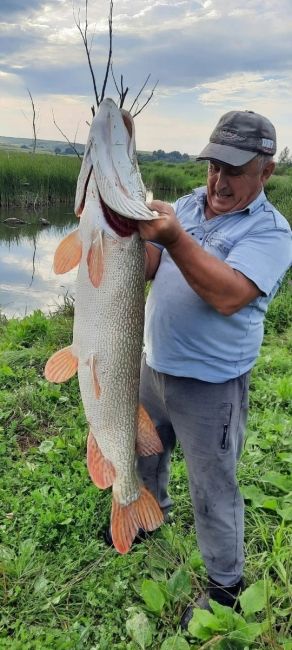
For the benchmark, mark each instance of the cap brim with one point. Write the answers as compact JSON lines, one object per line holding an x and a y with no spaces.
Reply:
{"x":225,"y":154}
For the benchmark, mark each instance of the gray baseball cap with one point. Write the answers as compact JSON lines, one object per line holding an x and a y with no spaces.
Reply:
{"x":239,"y":137}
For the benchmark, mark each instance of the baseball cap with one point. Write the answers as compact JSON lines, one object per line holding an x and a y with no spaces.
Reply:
{"x":239,"y":137}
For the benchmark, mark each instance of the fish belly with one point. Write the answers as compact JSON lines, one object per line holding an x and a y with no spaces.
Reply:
{"x":108,"y":330}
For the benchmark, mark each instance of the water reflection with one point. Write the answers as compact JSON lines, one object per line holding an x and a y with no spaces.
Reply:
{"x":27,"y":279}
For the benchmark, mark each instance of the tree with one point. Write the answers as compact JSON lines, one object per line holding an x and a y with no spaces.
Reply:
{"x":284,"y":157}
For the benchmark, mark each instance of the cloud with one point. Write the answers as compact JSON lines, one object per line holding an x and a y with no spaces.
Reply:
{"x":17,"y":7}
{"x":207,"y":54}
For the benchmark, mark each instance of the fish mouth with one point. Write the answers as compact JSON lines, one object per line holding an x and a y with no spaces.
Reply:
{"x":122,"y":226}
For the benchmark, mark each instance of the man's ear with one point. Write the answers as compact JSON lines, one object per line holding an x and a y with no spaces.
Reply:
{"x":268,"y":170}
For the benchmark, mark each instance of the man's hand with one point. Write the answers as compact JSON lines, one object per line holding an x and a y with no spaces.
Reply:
{"x":166,"y":230}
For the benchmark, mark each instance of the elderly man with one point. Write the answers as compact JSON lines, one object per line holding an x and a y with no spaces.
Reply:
{"x":217,"y":259}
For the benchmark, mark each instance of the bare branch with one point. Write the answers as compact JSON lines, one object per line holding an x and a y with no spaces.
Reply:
{"x":83,"y":34}
{"x":110,"y":49}
{"x":33,"y":121}
{"x":64,"y":136}
{"x":114,"y":79}
{"x":139,"y":93}
{"x":123,"y":97}
{"x":147,"y":101}
{"x":121,"y":92}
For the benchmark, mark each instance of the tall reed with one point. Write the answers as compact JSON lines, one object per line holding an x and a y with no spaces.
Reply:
{"x":37,"y":179}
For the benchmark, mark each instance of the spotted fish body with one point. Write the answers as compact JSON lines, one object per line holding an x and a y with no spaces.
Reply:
{"x":109,"y":319}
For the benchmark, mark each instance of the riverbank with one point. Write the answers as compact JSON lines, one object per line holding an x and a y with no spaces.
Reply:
{"x":35,"y":180}
{"x":61,"y":587}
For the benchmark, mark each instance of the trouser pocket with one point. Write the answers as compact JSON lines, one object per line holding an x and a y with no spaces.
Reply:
{"x":225,"y":426}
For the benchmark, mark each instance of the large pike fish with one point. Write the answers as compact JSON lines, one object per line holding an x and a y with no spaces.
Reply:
{"x":109,"y":319}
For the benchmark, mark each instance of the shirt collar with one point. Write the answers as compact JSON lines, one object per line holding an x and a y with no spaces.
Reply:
{"x":201,"y":193}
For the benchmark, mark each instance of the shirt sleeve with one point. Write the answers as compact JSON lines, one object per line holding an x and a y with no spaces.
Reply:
{"x":263,"y":257}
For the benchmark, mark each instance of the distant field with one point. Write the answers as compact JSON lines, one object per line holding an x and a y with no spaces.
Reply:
{"x":42,"y":146}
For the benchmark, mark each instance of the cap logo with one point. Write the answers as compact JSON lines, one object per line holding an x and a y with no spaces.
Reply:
{"x":231,"y":135}
{"x":267,"y":144}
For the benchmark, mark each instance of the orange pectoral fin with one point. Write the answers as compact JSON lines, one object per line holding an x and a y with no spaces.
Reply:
{"x":126,"y":520}
{"x":148,"y":441}
{"x":61,"y":366}
{"x":68,"y":253}
{"x":101,"y":470}
{"x":95,"y":260}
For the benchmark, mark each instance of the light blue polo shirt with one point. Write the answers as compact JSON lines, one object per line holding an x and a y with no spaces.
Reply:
{"x":186,"y":337}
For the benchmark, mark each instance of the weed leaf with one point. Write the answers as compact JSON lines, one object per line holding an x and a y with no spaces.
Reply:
{"x":153,"y":596}
{"x":179,"y":585}
{"x":175,"y":643}
{"x":281,"y":481}
{"x":248,"y":632}
{"x":203,"y":624}
{"x":139,"y":629}
{"x":253,"y":599}
{"x":46,"y":446}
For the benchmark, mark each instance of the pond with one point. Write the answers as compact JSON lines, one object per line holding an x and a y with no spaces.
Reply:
{"x":27,"y":279}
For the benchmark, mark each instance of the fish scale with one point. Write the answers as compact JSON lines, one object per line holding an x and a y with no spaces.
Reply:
{"x":109,"y":320}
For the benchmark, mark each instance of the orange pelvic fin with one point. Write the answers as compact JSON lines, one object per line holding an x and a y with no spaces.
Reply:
{"x":101,"y":470}
{"x":95,"y":260}
{"x":148,"y":441}
{"x":126,"y":520}
{"x":61,"y":366}
{"x":68,"y":253}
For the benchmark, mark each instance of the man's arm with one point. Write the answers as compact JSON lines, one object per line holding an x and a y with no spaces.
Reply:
{"x":152,"y":260}
{"x":221,"y":286}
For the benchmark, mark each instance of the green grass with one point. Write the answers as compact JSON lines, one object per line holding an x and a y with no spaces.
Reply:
{"x":37,"y":179}
{"x":61,"y":588}
{"x":29,"y":180}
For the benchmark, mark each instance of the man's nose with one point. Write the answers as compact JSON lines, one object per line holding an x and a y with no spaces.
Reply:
{"x":222,"y":179}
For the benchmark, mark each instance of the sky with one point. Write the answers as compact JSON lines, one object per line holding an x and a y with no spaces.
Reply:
{"x":208,"y":56}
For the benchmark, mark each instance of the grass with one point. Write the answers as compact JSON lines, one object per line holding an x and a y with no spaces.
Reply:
{"x":61,"y":588}
{"x":29,"y":180}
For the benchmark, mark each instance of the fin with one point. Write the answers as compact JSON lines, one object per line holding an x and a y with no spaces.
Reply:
{"x":126,"y":520}
{"x":101,"y":470}
{"x":61,"y":366}
{"x":148,"y":441}
{"x":68,"y":253}
{"x":95,"y":381}
{"x":95,"y":260}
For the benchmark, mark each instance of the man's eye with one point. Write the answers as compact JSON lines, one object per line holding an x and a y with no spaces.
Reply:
{"x":214,"y":169}
{"x":235,"y":172}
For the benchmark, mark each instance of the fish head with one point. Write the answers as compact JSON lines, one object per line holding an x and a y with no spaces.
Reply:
{"x":110,"y":160}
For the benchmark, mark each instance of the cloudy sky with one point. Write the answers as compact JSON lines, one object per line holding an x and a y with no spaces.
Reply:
{"x":210,"y":56}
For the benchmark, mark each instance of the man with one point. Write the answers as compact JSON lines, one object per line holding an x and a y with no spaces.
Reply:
{"x":217,"y":260}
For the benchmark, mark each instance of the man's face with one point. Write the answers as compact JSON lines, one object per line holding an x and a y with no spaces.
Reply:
{"x":230,"y":189}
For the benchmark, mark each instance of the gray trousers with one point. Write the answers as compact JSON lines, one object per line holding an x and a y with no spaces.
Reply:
{"x":209,"y":421}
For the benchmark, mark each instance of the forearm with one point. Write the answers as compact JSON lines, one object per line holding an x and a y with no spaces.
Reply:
{"x":221,"y":286}
{"x":214,"y":281}
{"x":152,"y":260}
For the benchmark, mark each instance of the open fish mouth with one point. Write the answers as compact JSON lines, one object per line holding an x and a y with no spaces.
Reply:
{"x":123,"y":226}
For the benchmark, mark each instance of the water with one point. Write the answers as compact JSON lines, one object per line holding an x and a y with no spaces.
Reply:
{"x":27,"y":279}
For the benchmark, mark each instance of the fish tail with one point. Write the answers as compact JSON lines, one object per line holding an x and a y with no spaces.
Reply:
{"x":101,"y":470}
{"x":126,"y":520}
{"x":68,"y":253}
{"x":61,"y":366}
